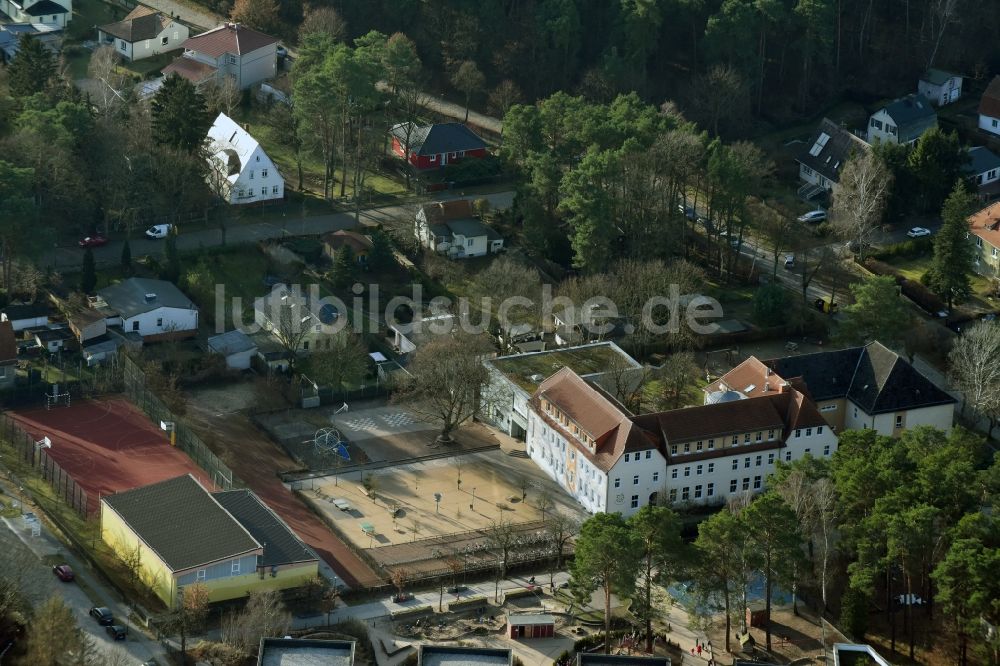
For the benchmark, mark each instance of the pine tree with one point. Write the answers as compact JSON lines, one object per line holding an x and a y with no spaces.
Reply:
{"x":179,"y":115}
{"x":126,"y":258}
{"x":952,"y":265}
{"x":171,"y":270}
{"x":32,"y":70}
{"x":88,"y":274}
{"x":380,"y":257}
{"x":343,"y":267}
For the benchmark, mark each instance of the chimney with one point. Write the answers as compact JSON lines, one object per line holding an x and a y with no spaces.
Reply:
{"x":767,"y":371}
{"x":150,"y":298}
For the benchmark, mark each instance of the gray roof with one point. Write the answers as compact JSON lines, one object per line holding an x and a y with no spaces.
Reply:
{"x":981,"y":160}
{"x":305,"y":652}
{"x":468,"y":228}
{"x":141,"y":23}
{"x":44,"y":8}
{"x":830,"y":157}
{"x":281,"y":546}
{"x":873,"y":377}
{"x":913,"y":116}
{"x":27,"y":311}
{"x":231,"y":342}
{"x":937,"y":77}
{"x":437,"y":139}
{"x":528,"y":619}
{"x":442,"y":655}
{"x":182,"y":523}
{"x":128,"y":297}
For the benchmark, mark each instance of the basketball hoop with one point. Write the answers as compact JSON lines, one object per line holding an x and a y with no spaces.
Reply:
{"x":43,"y":443}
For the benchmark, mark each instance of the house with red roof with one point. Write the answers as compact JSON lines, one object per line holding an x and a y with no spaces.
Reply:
{"x":435,"y":146}
{"x":232,"y":49}
{"x":612,"y":461}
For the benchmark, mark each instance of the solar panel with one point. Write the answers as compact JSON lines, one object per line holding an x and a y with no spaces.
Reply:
{"x":820,"y":144}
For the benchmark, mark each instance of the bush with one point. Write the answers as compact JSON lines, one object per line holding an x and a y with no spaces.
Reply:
{"x":922,"y":296}
{"x":770,"y":305}
{"x":909,"y":249}
{"x":74,"y":50}
{"x":854,"y":614}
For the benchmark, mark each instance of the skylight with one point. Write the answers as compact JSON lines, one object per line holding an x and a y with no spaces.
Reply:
{"x":820,"y":144}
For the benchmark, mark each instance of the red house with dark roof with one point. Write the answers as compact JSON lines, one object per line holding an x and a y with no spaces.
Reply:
{"x":434,"y":146}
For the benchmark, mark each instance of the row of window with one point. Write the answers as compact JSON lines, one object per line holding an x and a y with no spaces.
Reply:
{"x":809,"y":431}
{"x":638,"y":455}
{"x":687,"y":495}
{"x":263,"y":192}
{"x":635,"y":479}
{"x":758,"y":483}
{"x":748,"y":438}
{"x":263,"y":173}
{"x":697,"y":470}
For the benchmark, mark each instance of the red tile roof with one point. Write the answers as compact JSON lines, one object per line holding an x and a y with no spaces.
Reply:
{"x":986,"y":224}
{"x":229,"y":38}
{"x":989,"y":105}
{"x":190,"y":69}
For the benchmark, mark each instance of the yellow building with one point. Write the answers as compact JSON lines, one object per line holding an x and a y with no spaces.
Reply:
{"x":177,"y":533}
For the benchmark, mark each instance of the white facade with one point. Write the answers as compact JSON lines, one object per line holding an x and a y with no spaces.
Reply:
{"x":989,"y":124}
{"x":247,"y":68}
{"x":941,"y":94}
{"x":560,"y":459}
{"x":169,"y":39}
{"x":20,"y":11}
{"x":28,"y":322}
{"x":895,"y":423}
{"x":881,"y":127}
{"x":161,"y":321}
{"x":241,"y":170}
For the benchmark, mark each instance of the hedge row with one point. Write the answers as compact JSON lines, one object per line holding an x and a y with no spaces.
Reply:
{"x":909,"y":249}
{"x":912,"y":289}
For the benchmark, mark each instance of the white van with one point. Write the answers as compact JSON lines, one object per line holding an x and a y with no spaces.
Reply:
{"x":159,"y":231}
{"x":789,"y":261}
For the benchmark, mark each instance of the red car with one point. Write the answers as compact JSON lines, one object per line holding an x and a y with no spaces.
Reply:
{"x":63,"y":572}
{"x":96,"y":240}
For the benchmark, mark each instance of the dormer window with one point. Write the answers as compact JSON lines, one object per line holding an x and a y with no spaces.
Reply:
{"x":687,"y":447}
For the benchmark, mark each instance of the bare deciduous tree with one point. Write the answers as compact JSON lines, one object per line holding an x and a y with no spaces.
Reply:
{"x":720,"y":97}
{"x":500,"y":538}
{"x":264,"y":616}
{"x":223,"y":95}
{"x":447,"y":377}
{"x":325,"y":20}
{"x":113,"y":83}
{"x":860,"y":202}
{"x":975,"y":370}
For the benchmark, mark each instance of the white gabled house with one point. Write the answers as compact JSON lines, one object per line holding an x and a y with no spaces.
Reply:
{"x":144,"y":32}
{"x":240,"y":171}
{"x":940,"y":87}
{"x":52,"y":12}
{"x":153,"y":309}
{"x":902,"y":121}
{"x":451,"y":228}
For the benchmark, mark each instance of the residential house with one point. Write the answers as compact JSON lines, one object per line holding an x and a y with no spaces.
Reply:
{"x":55,"y":12}
{"x":233,"y":50}
{"x":869,"y":387}
{"x":11,"y":34}
{"x":88,"y":325}
{"x":902,"y":121}
{"x":515,"y":378}
{"x":983,"y":168}
{"x":984,"y":231}
{"x":24,"y":316}
{"x":296,"y":320}
{"x":183,"y":535}
{"x":240,"y":172}
{"x":821,"y":164}
{"x":407,"y":337}
{"x":360,"y":244}
{"x":989,"y":107}
{"x":612,"y":461}
{"x":451,"y":228}
{"x":144,"y":32}
{"x":51,"y":338}
{"x":940,"y":87}
{"x":447,"y":655}
{"x":434,"y":146}
{"x":8,"y":356}
{"x":304,"y":652}
{"x":154,"y":309}
{"x":236,"y":347}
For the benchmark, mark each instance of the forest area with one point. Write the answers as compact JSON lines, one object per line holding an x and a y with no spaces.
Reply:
{"x":763,"y":62}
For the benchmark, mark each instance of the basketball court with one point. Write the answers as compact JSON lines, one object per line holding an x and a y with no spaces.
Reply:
{"x":107,"y":446}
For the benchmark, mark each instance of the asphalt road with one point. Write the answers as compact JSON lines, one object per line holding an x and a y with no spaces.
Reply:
{"x":16,"y":542}
{"x":251,"y":232}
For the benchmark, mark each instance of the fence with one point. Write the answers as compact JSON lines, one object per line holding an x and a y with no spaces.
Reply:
{"x":187,"y":441}
{"x":61,"y":482}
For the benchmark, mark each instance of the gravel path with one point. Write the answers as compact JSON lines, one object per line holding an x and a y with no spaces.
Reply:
{"x":196,"y":16}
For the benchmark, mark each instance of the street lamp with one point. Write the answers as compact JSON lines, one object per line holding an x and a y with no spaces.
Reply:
{"x":437,"y":503}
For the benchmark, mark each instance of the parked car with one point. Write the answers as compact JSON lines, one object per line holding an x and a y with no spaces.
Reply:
{"x":823,"y":305}
{"x":813,"y":216}
{"x":918,"y":232}
{"x":63,"y":572}
{"x":103,"y":615}
{"x":159,"y":231}
{"x":789,"y":261}
{"x":281,"y":52}
{"x":687,"y":211}
{"x":400,"y":597}
{"x":117,"y":632}
{"x":97,"y":240}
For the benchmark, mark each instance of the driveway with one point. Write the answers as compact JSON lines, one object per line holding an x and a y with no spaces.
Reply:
{"x":252,"y":232}
{"x":17,"y":541}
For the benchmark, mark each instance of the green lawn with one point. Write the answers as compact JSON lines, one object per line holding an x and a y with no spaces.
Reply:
{"x":583,"y":361}
{"x":914,"y":269}
{"x":240,"y":271}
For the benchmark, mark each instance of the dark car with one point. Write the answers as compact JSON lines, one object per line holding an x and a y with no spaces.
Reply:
{"x":63,"y":572}
{"x":97,"y":240}
{"x":117,"y":632}
{"x":103,"y":615}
